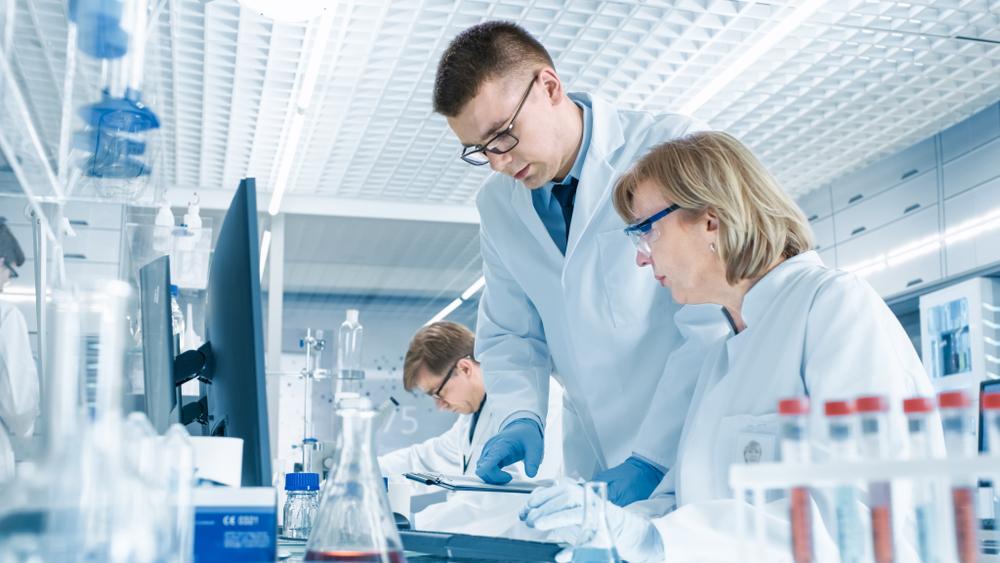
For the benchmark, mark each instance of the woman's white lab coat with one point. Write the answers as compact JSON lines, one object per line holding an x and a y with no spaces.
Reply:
{"x":810,"y":331}
{"x":18,"y":384}
{"x":452,"y":453}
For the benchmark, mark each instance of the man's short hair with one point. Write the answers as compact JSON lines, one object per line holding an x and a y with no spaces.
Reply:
{"x":480,"y":53}
{"x":10,"y":250}
{"x":436,"y":347}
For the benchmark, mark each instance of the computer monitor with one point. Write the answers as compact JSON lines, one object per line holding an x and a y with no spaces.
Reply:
{"x":160,"y":399}
{"x":237,"y":404}
{"x":985,"y":387}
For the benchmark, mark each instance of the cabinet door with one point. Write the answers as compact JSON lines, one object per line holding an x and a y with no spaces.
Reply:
{"x":908,"y":251}
{"x":816,"y":204}
{"x":972,"y":228}
{"x":884,"y":174}
{"x":94,"y":214}
{"x":870,"y":214}
{"x":971,"y":133}
{"x":95,"y":245}
{"x":823,"y":233}
{"x":974,"y":168}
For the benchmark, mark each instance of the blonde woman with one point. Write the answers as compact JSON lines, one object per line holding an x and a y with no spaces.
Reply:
{"x":713,"y":226}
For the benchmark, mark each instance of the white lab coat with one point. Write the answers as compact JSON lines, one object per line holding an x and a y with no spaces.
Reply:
{"x":604,"y":325}
{"x":452,"y":453}
{"x":810,"y":331}
{"x":18,"y":384}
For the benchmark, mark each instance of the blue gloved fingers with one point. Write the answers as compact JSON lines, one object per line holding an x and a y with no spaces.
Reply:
{"x":498,"y":453}
{"x":531,"y":441}
{"x":493,"y":475}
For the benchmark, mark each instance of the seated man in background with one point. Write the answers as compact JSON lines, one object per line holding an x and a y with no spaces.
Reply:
{"x":440,"y":363}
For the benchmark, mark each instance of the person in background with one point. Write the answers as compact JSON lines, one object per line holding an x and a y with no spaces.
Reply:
{"x":19,"y":395}
{"x":440,"y":363}
{"x":714,"y":227}
{"x":561,"y":296}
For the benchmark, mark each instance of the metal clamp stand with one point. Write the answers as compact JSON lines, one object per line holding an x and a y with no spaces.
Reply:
{"x":314,"y":345}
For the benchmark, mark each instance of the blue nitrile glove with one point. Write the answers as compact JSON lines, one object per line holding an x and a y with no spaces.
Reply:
{"x":519,"y":440}
{"x":632,"y":480}
{"x":558,"y":510}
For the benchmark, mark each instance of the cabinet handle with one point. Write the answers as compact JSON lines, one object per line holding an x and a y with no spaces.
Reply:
{"x":855,"y":198}
{"x":75,"y":256}
{"x":812,"y":217}
{"x":908,"y":173}
{"x":913,"y":207}
{"x":79,"y":223}
{"x":858,"y":231}
{"x":912,"y":283}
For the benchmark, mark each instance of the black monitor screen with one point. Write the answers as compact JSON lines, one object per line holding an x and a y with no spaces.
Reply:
{"x":985,"y":387}
{"x":158,"y":344}
{"x":237,"y":404}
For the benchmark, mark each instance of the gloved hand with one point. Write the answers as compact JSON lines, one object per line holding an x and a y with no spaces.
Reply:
{"x":630,"y":481}
{"x":559,"y":510}
{"x":519,"y":440}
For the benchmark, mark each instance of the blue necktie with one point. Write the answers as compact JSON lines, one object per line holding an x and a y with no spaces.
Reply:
{"x":565,"y":194}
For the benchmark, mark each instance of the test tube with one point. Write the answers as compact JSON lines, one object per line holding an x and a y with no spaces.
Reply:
{"x":874,"y":445}
{"x":918,"y":412}
{"x":961,"y":442}
{"x":840,"y":426}
{"x":794,"y":414}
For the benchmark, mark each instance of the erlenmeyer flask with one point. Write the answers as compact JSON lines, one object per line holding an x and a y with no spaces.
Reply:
{"x":596,"y":545}
{"x":354,"y":522}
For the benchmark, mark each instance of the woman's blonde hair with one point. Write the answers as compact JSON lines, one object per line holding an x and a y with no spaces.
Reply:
{"x":711,"y":170}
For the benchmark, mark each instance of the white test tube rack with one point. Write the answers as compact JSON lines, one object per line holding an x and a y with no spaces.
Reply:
{"x":753,"y":480}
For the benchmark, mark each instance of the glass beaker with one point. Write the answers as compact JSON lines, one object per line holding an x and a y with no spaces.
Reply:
{"x":354,"y":522}
{"x":596,"y":545}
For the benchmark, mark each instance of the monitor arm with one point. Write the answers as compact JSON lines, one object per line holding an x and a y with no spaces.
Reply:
{"x":194,"y":364}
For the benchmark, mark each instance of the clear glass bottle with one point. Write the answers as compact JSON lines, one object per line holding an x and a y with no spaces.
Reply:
{"x":177,"y":319}
{"x":301,"y":504}
{"x":354,"y":522}
{"x":596,"y":545}
{"x":349,"y":347}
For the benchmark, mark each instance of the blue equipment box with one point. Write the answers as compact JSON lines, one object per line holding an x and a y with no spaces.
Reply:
{"x":235,"y":524}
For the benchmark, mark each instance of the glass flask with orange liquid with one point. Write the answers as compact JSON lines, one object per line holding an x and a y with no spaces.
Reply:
{"x":354,"y":522}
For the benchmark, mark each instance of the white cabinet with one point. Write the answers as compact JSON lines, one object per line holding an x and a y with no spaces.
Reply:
{"x":969,"y":134}
{"x":968,"y":214}
{"x":917,"y":193}
{"x":816,"y":204}
{"x":94,"y":214}
{"x":823,"y":234}
{"x":865,"y":183}
{"x":906,"y":266}
{"x":94,"y":245}
{"x":972,"y":169}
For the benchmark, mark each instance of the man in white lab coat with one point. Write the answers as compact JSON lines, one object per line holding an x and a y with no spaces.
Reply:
{"x":440,"y":363}
{"x":18,"y":375}
{"x":561,"y":289}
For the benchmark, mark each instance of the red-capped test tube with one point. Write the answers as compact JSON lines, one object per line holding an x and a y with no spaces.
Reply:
{"x":991,"y":419}
{"x":919,"y":411}
{"x":956,"y":417}
{"x":840,"y":425}
{"x":873,"y":444}
{"x":794,"y":413}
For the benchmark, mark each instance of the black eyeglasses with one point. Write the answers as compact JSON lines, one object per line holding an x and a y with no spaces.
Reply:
{"x":437,"y":392}
{"x":502,"y":142}
{"x":13,"y":273}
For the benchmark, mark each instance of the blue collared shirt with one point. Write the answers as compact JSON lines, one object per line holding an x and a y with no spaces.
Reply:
{"x":548,"y":209}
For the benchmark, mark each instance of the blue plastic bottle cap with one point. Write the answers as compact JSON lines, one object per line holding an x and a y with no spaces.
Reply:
{"x":174,"y":290}
{"x":301,"y":481}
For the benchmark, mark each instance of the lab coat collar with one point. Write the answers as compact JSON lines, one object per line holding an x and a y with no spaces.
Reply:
{"x":594,"y":187}
{"x":758,"y":300}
